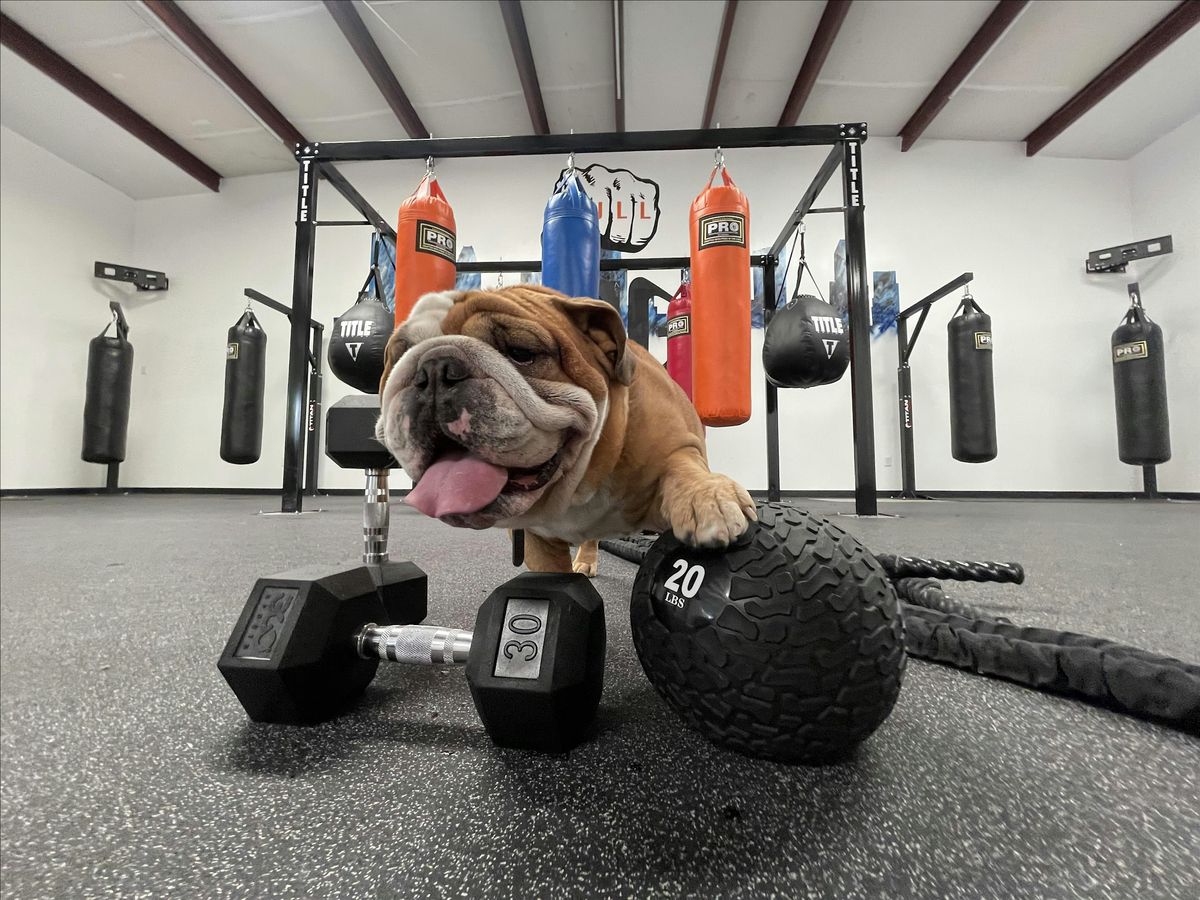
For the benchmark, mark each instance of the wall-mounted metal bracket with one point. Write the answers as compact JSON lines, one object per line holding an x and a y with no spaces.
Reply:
{"x":143,"y":279}
{"x":1115,"y":259}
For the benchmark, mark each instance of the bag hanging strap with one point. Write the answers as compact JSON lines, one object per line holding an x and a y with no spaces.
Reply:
{"x":968,"y":304}
{"x":118,"y":319}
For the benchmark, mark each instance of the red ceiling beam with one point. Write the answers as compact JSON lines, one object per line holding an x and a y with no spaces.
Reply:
{"x":1170,"y":28}
{"x":37,"y":54}
{"x":618,"y":7}
{"x":714,"y":81}
{"x":960,"y":70}
{"x":822,"y":42}
{"x":188,"y":32}
{"x":369,"y":54}
{"x":518,"y":39}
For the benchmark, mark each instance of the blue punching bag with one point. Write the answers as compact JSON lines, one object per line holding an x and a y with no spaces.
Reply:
{"x":571,"y":242}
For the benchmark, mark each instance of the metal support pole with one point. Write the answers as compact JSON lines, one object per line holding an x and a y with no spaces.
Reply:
{"x":908,"y":466}
{"x":1150,"y":482}
{"x":313,"y":430}
{"x":859,"y":299}
{"x":769,"y":303}
{"x":302,"y":281}
{"x":111,"y":480}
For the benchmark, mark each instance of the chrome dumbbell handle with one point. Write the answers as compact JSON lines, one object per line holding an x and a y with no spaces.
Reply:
{"x":421,"y":645}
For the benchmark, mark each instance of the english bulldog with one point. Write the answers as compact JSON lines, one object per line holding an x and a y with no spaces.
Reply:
{"x":524,"y":408}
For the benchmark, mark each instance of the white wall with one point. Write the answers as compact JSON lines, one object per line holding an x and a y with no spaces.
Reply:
{"x":1166,"y":200}
{"x":1023,"y":226}
{"x":55,"y":221}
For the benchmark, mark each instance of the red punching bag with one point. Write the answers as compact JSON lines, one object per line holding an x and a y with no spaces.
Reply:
{"x":720,"y":232}
{"x":679,"y":338}
{"x":425,"y":246}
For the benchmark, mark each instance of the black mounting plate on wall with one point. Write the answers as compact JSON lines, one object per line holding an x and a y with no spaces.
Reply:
{"x":1115,"y":259}
{"x":144,"y":279}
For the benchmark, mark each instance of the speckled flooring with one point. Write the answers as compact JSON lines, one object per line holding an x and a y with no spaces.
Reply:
{"x":129,"y":770}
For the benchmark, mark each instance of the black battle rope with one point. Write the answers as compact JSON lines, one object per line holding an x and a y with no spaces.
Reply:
{"x":950,"y":569}
{"x":930,"y":594}
{"x":941,"y":629}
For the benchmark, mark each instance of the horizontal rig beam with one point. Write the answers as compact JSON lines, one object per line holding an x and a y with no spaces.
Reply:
{"x":600,"y":142}
{"x":624,"y":264}
{"x":948,"y":287}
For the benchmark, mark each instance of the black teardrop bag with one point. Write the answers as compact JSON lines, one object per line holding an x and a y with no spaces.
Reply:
{"x":359,"y":339}
{"x":806,"y":344}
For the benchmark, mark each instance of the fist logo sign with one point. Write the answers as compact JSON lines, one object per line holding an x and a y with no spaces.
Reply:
{"x":627,"y":205}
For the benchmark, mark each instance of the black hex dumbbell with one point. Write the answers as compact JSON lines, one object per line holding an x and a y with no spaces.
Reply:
{"x":350,"y":442}
{"x":305,"y":648}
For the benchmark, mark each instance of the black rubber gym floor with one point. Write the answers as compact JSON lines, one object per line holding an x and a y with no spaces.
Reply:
{"x":130,"y":770}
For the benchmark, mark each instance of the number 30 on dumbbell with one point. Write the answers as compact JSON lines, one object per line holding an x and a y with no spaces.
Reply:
{"x":305,"y":648}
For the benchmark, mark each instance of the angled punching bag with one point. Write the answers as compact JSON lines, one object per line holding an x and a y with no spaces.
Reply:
{"x":1140,"y":385}
{"x":972,"y":393}
{"x":571,"y":242}
{"x":720,"y":257}
{"x":425,"y":246}
{"x":106,"y":399}
{"x":358,"y":342}
{"x":806,"y":344}
{"x":245,"y":383}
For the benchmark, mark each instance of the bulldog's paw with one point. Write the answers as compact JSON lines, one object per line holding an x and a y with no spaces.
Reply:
{"x":586,"y":559}
{"x":712,"y":512}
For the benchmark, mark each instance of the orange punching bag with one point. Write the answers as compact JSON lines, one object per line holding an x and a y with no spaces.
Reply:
{"x":720,"y":226}
{"x":425,"y":246}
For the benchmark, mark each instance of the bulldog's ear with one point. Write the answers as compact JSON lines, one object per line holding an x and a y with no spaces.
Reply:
{"x":602,"y":323}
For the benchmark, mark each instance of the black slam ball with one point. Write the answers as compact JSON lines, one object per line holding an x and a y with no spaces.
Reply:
{"x":788,"y":645}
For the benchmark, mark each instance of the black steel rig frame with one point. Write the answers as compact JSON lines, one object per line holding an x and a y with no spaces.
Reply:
{"x":844,"y":140}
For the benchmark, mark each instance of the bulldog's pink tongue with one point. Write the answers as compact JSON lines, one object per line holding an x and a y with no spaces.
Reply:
{"x":457,"y":484}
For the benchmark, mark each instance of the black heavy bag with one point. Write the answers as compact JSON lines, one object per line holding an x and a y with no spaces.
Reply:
{"x":1140,"y":384}
{"x":106,"y":403}
{"x":806,"y":344}
{"x":972,"y":394}
{"x":359,"y":338}
{"x":245,"y":381}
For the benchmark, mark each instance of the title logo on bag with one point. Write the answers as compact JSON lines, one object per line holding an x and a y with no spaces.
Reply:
{"x":1133,"y":350}
{"x":723,"y":229}
{"x":679,"y":326}
{"x":231,"y":351}
{"x":983,"y":340}
{"x":433,"y":238}
{"x":828,"y":325}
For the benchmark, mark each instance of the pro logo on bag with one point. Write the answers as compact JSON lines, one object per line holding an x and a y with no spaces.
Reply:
{"x":433,"y":238}
{"x":1133,"y":350}
{"x":983,"y":340}
{"x":679,"y":326}
{"x":231,"y":351}
{"x":723,"y":229}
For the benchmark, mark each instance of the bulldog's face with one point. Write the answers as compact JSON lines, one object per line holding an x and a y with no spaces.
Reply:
{"x":491,"y":401}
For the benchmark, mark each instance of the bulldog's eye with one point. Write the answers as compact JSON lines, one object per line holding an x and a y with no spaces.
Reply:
{"x":522,"y":356}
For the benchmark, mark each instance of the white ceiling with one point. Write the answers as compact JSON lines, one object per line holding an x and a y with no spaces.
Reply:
{"x":453,"y":59}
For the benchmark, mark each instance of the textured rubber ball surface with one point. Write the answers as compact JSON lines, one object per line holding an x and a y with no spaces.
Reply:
{"x":788,"y":645}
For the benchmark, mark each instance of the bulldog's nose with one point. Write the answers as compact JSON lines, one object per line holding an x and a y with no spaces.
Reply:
{"x":441,"y":371}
